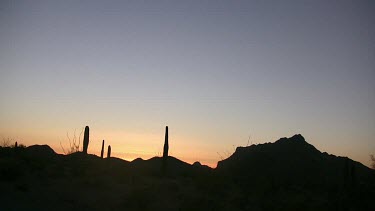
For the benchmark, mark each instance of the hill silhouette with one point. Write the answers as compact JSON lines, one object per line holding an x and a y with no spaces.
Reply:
{"x":289,"y":174}
{"x":294,"y":161}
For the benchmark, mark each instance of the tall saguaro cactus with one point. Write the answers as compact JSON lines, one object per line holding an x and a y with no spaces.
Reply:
{"x":86,"y":139}
{"x":166,"y":145}
{"x":109,"y":151}
{"x":165,"y":152}
{"x":102,"y":152}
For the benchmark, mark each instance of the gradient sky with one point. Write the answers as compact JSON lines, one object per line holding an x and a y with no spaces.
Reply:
{"x":216,"y":72}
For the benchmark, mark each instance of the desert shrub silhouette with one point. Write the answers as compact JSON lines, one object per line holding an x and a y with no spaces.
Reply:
{"x":6,"y":142}
{"x":74,"y":143}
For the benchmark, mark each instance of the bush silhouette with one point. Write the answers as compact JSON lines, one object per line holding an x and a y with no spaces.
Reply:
{"x":73,"y":145}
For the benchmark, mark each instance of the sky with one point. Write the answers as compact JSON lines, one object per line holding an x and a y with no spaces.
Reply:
{"x":220,"y":74}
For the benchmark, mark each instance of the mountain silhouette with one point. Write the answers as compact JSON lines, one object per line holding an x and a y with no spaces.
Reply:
{"x":294,"y":161}
{"x":289,"y":174}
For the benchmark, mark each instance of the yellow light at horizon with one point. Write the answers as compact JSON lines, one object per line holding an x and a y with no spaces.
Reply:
{"x":125,"y":145}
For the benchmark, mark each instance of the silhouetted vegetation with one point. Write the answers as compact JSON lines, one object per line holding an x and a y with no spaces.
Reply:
{"x":102,"y":151}
{"x":6,"y":142}
{"x":74,"y":143}
{"x":373,"y":161}
{"x":109,"y":151}
{"x":86,"y":140}
{"x":165,"y":152}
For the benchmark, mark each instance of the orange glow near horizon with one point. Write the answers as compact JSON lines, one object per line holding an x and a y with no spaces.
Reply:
{"x":129,"y":146}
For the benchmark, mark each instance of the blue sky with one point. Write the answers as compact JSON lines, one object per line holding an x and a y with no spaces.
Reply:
{"x":214,"y":71}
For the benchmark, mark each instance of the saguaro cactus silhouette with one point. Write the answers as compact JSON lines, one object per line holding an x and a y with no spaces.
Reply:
{"x":165,"y":151}
{"x":102,"y":152}
{"x":86,"y":139}
{"x":109,"y":151}
{"x":166,"y":145}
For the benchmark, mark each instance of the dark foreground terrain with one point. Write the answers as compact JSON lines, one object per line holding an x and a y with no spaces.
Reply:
{"x":289,"y":174}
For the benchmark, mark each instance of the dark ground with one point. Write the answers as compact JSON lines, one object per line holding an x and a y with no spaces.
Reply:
{"x":289,"y":174}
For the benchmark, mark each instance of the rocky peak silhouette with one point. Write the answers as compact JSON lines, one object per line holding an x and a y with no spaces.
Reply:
{"x":291,"y":161}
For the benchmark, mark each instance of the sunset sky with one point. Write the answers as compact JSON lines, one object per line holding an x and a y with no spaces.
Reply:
{"x":216,"y":72}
